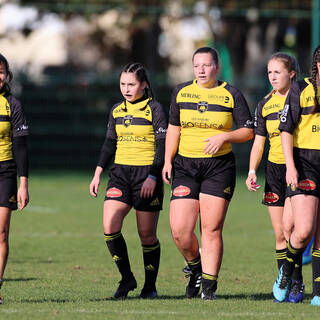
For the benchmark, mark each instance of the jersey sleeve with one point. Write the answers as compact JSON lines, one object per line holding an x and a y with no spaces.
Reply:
{"x":111,"y":130}
{"x":241,"y":112}
{"x":18,"y":119}
{"x":292,"y":110}
{"x":260,"y":127}
{"x":159,"y":120}
{"x":174,"y":118}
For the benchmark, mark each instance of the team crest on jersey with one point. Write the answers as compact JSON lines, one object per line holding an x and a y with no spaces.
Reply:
{"x":271,"y":197}
{"x":306,"y":185}
{"x":202,"y":106}
{"x":127,"y":120}
{"x":114,"y":193}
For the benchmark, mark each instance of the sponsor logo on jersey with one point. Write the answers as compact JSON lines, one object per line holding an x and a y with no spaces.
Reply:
{"x":126,"y":121}
{"x":317,"y":279}
{"x":155,"y":202}
{"x":13,"y":199}
{"x":248,"y":123}
{"x":132,"y":138}
{"x":161,"y":130}
{"x":284,"y":113}
{"x":190,"y":95}
{"x":147,"y":112}
{"x":202,"y":106}
{"x":22,"y":127}
{"x":227,"y":190}
{"x":275,"y":105}
{"x":181,"y":191}
{"x":114,"y":193}
{"x":316,"y":128}
{"x":271,"y":197}
{"x":191,"y":124}
{"x":279,"y":114}
{"x":306,"y":185}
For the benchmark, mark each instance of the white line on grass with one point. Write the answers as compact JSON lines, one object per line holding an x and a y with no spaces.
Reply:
{"x":41,"y":209}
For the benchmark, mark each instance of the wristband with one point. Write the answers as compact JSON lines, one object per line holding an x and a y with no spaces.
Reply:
{"x":252,"y":171}
{"x":152,"y":177}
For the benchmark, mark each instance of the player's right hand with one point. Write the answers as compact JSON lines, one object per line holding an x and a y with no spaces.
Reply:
{"x":94,"y":186}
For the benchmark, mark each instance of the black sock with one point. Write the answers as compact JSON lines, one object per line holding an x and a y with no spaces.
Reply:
{"x":151,"y":259}
{"x":195,"y":265}
{"x":293,"y":258}
{"x":316,"y":272}
{"x":281,"y":256}
{"x":297,"y":271}
{"x":209,"y":282}
{"x":118,"y":249}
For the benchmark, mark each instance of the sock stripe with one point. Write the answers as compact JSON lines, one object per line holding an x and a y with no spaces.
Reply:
{"x":281,"y":255}
{"x":209,"y":276}
{"x":112,"y":236}
{"x":151,"y":248}
{"x":316,"y":253}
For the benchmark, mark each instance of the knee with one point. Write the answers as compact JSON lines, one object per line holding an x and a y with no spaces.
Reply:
{"x":304,"y":235}
{"x":147,"y":236}
{"x":212,"y":234}
{"x":280,"y":238}
{"x":180,"y":238}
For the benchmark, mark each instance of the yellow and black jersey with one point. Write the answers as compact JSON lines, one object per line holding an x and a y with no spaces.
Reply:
{"x":136,"y":127}
{"x":297,"y":117}
{"x":12,"y":124}
{"x":202,"y":113}
{"x":266,"y":122}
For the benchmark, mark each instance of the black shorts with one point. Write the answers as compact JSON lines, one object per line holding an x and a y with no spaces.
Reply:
{"x":125,"y":184}
{"x":276,"y":185}
{"x":307,"y":163}
{"x":214,"y":176}
{"x":8,"y":184}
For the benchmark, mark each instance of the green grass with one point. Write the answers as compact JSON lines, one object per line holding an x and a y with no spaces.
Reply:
{"x":59,"y":267}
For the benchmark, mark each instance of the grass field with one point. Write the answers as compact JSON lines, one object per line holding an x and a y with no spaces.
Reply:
{"x":59,"y":267}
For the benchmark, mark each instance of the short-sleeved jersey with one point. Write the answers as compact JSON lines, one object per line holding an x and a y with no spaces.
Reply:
{"x":12,"y":124}
{"x":202,"y":113}
{"x":136,"y":127}
{"x":266,"y":122}
{"x":297,"y":117}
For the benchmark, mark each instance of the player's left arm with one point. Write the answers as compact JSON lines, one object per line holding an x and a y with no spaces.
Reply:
{"x":159,"y":123}
{"x":244,"y":132}
{"x":20,"y":150}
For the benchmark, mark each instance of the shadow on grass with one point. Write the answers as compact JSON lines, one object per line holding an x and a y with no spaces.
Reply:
{"x":252,"y":297}
{"x":20,"y":279}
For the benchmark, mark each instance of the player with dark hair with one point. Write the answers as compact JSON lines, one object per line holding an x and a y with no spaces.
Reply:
{"x":282,"y":71}
{"x":299,"y":126}
{"x":13,"y":160}
{"x":136,"y":137}
{"x":202,"y":113}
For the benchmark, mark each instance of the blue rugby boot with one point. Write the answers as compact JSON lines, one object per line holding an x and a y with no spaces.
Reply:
{"x":296,"y":293}
{"x":281,"y":286}
{"x":315,"y":301}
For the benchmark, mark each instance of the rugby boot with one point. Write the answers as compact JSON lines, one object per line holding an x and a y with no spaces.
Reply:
{"x":148,"y":293}
{"x":193,"y":287}
{"x":315,"y":301}
{"x":186,"y":270}
{"x":125,"y":285}
{"x":208,"y":290}
{"x":296,"y":293}
{"x":281,"y":286}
